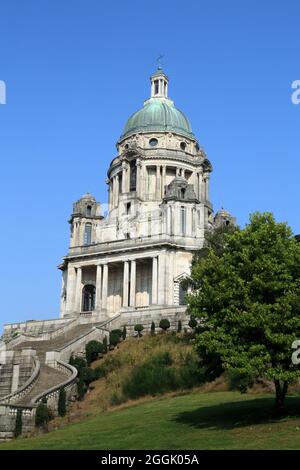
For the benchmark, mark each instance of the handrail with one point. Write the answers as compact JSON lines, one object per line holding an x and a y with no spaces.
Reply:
{"x":26,"y":387}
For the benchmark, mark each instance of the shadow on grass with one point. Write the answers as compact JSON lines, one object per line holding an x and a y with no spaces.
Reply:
{"x":238,"y":414}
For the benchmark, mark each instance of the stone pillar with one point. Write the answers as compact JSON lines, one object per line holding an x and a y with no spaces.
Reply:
{"x":78,"y":293}
{"x":177,"y":171}
{"x":138,"y":178}
{"x":154,"y":280}
{"x":162,"y":272}
{"x":132,"y":282}
{"x":117,"y":190}
{"x":104,"y":287}
{"x":98,"y":286}
{"x":71,"y":280}
{"x":163,"y":181}
{"x":157,"y":182}
{"x":207,"y":187}
{"x":125,"y":283}
{"x":124,"y":175}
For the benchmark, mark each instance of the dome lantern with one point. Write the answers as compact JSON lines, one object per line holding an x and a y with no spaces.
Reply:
{"x":159,"y":84}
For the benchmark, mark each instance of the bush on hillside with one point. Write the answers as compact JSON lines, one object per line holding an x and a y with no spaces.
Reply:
{"x":124,"y":332}
{"x":139,"y":328}
{"x":105,"y":344}
{"x":158,"y":375}
{"x":62,"y":402}
{"x":43,"y":415}
{"x":18,"y":424}
{"x":164,"y":324}
{"x":152,"y":328}
{"x":92,"y":350}
{"x":179,"y":326}
{"x":115,"y":337}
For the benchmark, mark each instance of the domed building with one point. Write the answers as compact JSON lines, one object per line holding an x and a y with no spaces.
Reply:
{"x":125,"y":265}
{"x":130,"y":264}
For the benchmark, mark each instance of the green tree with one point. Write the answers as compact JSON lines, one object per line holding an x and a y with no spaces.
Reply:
{"x":62,"y":402}
{"x":105,"y":344}
{"x":18,"y":424}
{"x":152,"y":328}
{"x":179,"y":326}
{"x":248,"y":296}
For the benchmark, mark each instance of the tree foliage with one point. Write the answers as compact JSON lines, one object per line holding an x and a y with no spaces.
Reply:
{"x":247,"y":294}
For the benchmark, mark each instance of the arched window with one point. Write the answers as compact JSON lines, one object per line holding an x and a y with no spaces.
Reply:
{"x":88,"y":298}
{"x":87,"y":234}
{"x":88,"y":211}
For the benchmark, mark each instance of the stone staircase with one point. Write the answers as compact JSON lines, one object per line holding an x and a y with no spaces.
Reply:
{"x":48,"y":376}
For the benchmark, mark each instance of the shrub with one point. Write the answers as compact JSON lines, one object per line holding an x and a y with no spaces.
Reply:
{"x":193,"y":323}
{"x":149,"y":379}
{"x":78,"y":362}
{"x":81,"y":389}
{"x":62,"y":405}
{"x":18,"y":424}
{"x":92,"y":350}
{"x":124,"y":332}
{"x":153,"y":328}
{"x":164,"y":324}
{"x":114,"y":338}
{"x":105,"y":344}
{"x":43,"y":415}
{"x":117,"y":332}
{"x":116,"y":399}
{"x":179,"y":326}
{"x":138,"y":328}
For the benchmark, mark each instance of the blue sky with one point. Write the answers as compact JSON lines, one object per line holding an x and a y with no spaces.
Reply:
{"x":75,"y":71}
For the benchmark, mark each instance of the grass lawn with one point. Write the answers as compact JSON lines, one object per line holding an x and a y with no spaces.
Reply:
{"x":214,"y":420}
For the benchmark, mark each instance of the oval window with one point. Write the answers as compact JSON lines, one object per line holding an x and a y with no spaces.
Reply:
{"x":153,"y":142}
{"x":182,"y":145}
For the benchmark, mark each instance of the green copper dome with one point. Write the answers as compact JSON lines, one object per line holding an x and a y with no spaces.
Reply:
{"x":158,"y":115}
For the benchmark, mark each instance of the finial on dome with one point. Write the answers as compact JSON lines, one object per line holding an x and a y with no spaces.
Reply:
{"x":159,"y":61}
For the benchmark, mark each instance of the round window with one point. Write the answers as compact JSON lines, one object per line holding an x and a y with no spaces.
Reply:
{"x":126,"y":146}
{"x":182,"y":145}
{"x":153,"y":142}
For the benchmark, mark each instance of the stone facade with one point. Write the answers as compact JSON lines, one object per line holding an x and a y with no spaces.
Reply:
{"x":132,"y":260}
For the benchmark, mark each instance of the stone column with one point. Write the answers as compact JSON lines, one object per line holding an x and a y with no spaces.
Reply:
{"x":132,"y":282}
{"x":154,"y":280}
{"x":98,"y":286}
{"x":207,"y":187}
{"x":104,"y":287}
{"x":177,"y":171}
{"x":71,"y":279}
{"x":163,"y":181}
{"x":125,"y":283}
{"x":117,"y":190}
{"x":124,"y":174}
{"x":157,"y":182}
{"x":138,"y":177}
{"x":78,"y":293}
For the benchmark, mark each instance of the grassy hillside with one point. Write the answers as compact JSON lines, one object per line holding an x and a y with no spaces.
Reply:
{"x":215,"y":420}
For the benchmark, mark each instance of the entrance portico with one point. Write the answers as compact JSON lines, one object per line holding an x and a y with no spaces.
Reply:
{"x":114,"y":286}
